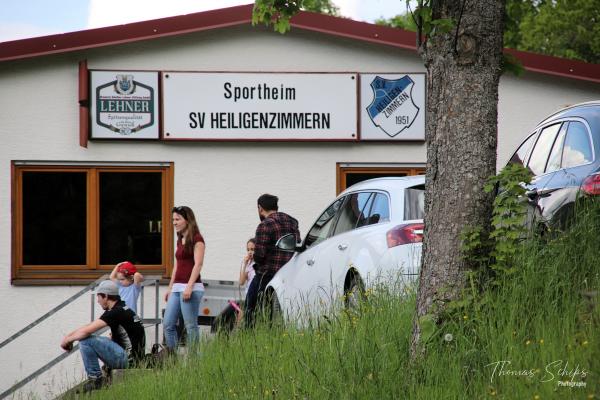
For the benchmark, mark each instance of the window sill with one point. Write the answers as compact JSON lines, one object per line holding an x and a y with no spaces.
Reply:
{"x":48,"y":278}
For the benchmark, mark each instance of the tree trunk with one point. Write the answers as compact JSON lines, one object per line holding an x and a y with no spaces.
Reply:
{"x":461,"y":132}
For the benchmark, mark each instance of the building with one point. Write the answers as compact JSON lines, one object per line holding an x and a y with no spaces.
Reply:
{"x":74,"y":202}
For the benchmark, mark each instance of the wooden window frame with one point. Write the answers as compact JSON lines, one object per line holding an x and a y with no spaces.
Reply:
{"x":343,"y":169}
{"x":84,"y":274}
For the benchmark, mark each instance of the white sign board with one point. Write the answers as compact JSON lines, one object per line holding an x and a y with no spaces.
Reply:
{"x":259,"y":106}
{"x":392,"y":106}
{"x":124,"y":105}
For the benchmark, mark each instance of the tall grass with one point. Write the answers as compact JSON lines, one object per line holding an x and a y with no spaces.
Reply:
{"x":536,"y":330}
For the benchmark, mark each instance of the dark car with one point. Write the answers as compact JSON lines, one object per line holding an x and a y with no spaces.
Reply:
{"x":563,"y":154}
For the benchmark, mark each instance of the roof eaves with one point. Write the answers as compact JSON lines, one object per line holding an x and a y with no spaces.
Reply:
{"x":239,"y":15}
{"x":351,"y":29}
{"x":126,"y":33}
{"x":557,"y":66}
{"x":400,"y":38}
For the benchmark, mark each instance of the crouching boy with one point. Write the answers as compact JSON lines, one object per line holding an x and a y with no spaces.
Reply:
{"x":128,"y":342}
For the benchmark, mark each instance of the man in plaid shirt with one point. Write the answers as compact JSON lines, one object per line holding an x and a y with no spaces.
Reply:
{"x":268,"y":258}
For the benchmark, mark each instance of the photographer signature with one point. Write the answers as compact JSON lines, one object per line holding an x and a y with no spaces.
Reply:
{"x":558,"y":369}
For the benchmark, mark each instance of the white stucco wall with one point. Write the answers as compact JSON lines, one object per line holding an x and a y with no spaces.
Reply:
{"x":220,"y":181}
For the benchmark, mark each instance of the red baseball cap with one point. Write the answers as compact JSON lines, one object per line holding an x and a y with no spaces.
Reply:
{"x":127,"y":268}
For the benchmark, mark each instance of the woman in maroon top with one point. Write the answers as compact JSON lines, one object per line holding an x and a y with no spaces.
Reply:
{"x":185,"y":288}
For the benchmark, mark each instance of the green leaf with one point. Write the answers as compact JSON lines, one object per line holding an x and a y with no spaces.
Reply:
{"x":282,"y":26}
{"x":443,"y":25}
{"x":512,"y":64}
{"x":427,"y":326}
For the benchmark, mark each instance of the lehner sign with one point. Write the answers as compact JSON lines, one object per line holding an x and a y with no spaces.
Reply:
{"x":124,"y":105}
{"x":259,"y":106}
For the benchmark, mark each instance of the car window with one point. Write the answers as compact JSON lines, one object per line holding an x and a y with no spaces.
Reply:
{"x":351,"y":212}
{"x":380,"y":210}
{"x":364,"y":215}
{"x":541,"y":151}
{"x":320,"y":230}
{"x":555,"y":158}
{"x":521,"y":153}
{"x":414,"y":203}
{"x":577,"y":149}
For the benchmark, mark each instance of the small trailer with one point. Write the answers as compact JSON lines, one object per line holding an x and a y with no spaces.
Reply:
{"x":217,"y":294}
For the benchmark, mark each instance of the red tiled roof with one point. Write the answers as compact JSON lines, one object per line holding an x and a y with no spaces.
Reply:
{"x":241,"y":15}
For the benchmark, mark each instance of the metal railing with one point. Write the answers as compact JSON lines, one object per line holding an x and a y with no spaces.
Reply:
{"x":43,"y":369}
{"x":156,"y":321}
{"x":151,"y":281}
{"x":54,"y":310}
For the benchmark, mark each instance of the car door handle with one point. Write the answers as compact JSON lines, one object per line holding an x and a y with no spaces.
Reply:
{"x":342,"y":246}
{"x":310,"y":262}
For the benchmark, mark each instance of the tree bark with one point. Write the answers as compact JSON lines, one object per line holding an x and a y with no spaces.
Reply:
{"x":463,"y":68}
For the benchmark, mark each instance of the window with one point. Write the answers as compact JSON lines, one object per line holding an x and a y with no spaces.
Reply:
{"x":54,"y":212}
{"x":351,"y":212}
{"x":74,"y":223}
{"x":380,"y":210}
{"x":414,"y":203}
{"x":321,"y":228}
{"x":556,"y":153}
{"x":539,"y":156}
{"x":522,"y":151}
{"x":364,"y":216}
{"x":577,"y":150}
{"x":349,"y":174}
{"x":131,"y":223}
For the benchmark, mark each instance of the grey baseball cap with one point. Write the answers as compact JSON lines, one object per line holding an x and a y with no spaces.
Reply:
{"x":107,"y":287}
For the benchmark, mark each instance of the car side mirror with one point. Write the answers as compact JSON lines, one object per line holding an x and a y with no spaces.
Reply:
{"x":287,"y":243}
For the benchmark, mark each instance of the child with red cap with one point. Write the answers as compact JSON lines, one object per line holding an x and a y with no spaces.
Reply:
{"x":129,"y":281}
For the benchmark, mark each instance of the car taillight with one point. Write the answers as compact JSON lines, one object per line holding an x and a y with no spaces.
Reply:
{"x":591,"y":184}
{"x":404,"y":234}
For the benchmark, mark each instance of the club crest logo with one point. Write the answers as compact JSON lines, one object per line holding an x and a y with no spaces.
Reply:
{"x":393,"y":108}
{"x":125,"y":85}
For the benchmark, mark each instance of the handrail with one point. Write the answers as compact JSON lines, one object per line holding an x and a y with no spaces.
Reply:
{"x":43,"y":369}
{"x":150,"y":281}
{"x":54,"y":310}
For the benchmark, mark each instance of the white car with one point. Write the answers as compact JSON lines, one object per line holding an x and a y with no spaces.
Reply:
{"x":370,"y":234}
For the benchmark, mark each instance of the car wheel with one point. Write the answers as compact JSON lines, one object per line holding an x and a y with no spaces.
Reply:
{"x":354,"y":293}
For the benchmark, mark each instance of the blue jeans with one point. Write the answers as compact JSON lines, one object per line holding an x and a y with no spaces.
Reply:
{"x":189,"y":309}
{"x":99,"y":347}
